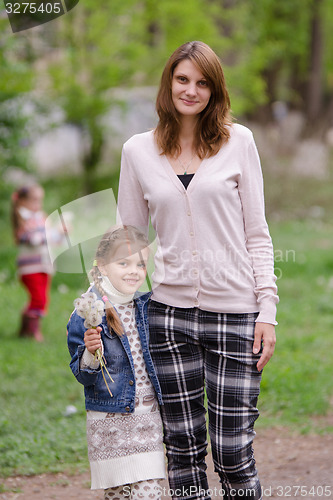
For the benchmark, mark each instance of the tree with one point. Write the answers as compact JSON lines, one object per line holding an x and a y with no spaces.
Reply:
{"x":287,"y":44}
{"x":15,"y":81}
{"x":315,"y":81}
{"x":123,"y":42}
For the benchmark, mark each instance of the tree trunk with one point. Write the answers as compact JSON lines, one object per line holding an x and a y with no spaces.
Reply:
{"x":314,"y":88}
{"x":264,"y":113}
{"x":92,"y":157}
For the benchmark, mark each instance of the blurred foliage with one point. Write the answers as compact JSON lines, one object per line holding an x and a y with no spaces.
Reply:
{"x":13,"y":139}
{"x":270,"y":51}
{"x":16,"y":78}
{"x":116,"y":44}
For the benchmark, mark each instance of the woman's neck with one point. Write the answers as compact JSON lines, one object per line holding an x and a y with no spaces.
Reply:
{"x":187,"y":129}
{"x":186,"y":138}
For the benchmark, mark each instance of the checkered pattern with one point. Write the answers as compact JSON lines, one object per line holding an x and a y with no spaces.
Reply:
{"x":194,"y":350}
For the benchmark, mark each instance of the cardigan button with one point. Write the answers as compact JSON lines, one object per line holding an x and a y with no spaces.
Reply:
{"x":127,"y":408}
{"x":131,"y":382}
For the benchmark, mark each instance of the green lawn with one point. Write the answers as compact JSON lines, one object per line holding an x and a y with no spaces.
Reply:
{"x":37,"y":384}
{"x":297,"y":383}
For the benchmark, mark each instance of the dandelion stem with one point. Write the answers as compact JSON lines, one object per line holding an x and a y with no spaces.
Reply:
{"x":85,"y":306}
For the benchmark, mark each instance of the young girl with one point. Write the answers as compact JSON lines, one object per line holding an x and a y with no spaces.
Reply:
{"x":33,"y":262}
{"x":124,"y":430}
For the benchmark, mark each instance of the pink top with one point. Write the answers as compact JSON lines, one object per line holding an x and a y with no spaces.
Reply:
{"x":215,"y":251}
{"x":33,"y":256}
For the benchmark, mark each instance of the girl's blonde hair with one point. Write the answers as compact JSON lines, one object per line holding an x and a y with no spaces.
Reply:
{"x":212,"y":127}
{"x":114,"y":238}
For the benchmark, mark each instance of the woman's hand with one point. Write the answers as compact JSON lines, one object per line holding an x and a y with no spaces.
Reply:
{"x":92,"y":339}
{"x":264,"y":332}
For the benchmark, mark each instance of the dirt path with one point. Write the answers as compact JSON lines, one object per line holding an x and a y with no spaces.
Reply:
{"x":290,"y":467}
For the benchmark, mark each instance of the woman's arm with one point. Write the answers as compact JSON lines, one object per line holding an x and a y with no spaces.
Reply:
{"x":258,"y":240}
{"x":132,"y":206}
{"x":260,"y":248}
{"x":265,"y":333}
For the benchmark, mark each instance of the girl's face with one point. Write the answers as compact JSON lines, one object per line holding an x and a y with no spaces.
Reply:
{"x":34,"y":200}
{"x":190,"y":89}
{"x":126,"y":273}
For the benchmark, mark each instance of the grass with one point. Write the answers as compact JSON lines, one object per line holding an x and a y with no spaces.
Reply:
{"x":37,"y":384}
{"x":297,"y":383}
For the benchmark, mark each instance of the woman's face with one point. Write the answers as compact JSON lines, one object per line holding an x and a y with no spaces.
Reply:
{"x":190,"y":89}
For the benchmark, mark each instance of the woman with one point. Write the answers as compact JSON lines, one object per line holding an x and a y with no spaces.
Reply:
{"x":212,"y":314}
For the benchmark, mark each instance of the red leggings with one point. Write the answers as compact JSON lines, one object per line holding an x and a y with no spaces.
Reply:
{"x":38,"y":285}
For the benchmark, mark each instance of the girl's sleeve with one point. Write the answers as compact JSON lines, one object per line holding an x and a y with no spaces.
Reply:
{"x":86,"y":375}
{"x":34,"y":236}
{"x":132,"y":205}
{"x":88,"y":360}
{"x":258,"y":240}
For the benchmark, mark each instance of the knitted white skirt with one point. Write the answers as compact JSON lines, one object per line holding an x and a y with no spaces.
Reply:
{"x":126,"y":448}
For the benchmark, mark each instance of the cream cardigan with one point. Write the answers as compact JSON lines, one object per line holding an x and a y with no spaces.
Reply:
{"x":215,"y":251}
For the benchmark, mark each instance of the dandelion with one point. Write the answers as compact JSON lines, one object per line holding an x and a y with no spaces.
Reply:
{"x":92,"y":310}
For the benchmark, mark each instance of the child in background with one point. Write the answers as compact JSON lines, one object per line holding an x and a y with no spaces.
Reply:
{"x":124,"y":431}
{"x":33,"y":262}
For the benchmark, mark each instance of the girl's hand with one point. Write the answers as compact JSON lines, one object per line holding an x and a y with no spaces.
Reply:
{"x":92,"y":339}
{"x":264,"y":332}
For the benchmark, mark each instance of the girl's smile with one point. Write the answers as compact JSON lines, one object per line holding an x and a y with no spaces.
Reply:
{"x":127,"y":272}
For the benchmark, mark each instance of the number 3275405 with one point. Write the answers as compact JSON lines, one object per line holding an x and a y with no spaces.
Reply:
{"x":33,"y":7}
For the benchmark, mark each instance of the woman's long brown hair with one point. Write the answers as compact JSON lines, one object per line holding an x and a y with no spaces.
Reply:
{"x":212,"y":128}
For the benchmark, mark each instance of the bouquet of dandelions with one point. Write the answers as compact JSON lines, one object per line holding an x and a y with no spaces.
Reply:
{"x":92,"y":310}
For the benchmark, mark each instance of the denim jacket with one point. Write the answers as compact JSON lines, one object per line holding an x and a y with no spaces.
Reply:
{"x":119,"y":362}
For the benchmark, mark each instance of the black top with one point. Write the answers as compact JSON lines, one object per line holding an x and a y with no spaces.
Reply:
{"x":186,"y":179}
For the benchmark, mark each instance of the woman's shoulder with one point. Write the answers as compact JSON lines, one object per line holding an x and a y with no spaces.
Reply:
{"x":138,"y":141}
{"x":240,"y":131}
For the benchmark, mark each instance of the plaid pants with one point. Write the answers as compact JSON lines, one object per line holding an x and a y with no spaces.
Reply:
{"x":194,"y":350}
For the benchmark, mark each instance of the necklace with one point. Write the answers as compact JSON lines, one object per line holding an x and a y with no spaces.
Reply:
{"x":185,"y":166}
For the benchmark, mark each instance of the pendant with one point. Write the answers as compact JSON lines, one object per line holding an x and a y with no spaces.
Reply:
{"x":185,"y":166}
